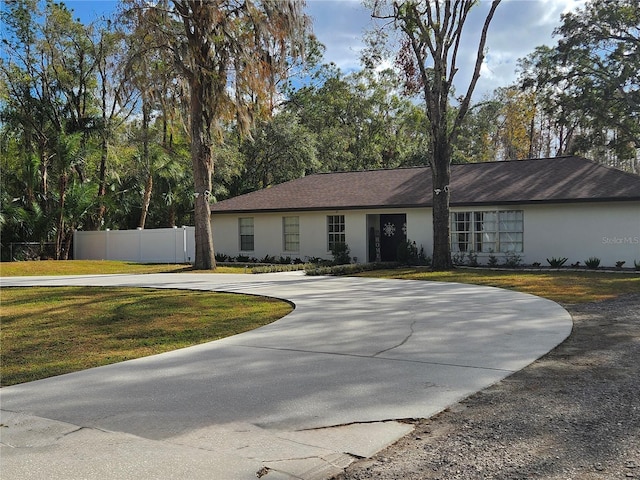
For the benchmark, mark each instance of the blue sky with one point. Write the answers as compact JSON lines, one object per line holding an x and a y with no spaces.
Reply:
{"x":518,"y":27}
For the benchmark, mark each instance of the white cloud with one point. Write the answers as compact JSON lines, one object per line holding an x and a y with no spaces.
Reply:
{"x":518,"y":27}
{"x":340,"y":26}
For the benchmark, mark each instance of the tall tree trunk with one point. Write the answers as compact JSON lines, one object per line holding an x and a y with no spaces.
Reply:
{"x":102,"y":182}
{"x":428,"y":57}
{"x":146,"y":200}
{"x":67,"y":245}
{"x":61,"y":228}
{"x":104,"y":145}
{"x":146,"y":161}
{"x":441,"y":176}
{"x":202,"y":160}
{"x":532,"y":127}
{"x":172,"y":216}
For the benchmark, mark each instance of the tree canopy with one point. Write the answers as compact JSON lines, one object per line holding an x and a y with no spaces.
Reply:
{"x":142,"y":119}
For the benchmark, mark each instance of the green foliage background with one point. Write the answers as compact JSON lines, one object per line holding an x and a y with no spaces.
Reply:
{"x":93,"y":130}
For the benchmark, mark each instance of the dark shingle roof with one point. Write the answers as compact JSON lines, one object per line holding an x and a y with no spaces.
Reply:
{"x":547,"y":180}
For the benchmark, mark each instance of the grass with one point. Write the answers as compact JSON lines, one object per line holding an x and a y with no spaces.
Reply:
{"x":562,"y":287}
{"x":54,"y":330}
{"x":43,"y":335}
{"x":93,"y":267}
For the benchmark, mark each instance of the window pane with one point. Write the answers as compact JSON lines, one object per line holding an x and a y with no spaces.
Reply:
{"x":335,"y":231}
{"x":246,"y":226}
{"x":461,"y":229}
{"x":511,"y":231}
{"x":246,"y":234}
{"x":487,"y":231}
{"x":246,"y":243}
{"x":291,"y":234}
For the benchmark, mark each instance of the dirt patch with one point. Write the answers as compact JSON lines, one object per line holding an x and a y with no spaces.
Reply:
{"x":574,"y":413}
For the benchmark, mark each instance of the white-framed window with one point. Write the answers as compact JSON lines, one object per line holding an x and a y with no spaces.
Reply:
{"x":245,"y":227}
{"x":487,"y":231}
{"x":291,"y":234}
{"x":335,"y":231}
{"x":511,"y":231}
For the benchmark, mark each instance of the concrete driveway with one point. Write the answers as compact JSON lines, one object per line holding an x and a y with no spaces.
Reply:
{"x":300,"y":398}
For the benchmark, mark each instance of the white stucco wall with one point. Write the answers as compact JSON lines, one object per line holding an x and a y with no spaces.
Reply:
{"x":420,"y":228}
{"x":268,"y":235}
{"x":608,"y":231}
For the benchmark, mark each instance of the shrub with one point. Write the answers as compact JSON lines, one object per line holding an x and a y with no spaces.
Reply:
{"x":557,"y":262}
{"x":592,"y":262}
{"x":458,"y":258}
{"x":314,"y":270}
{"x":318,"y":261}
{"x":221,"y":257}
{"x":636,"y":264}
{"x":407,"y":253}
{"x":472,"y":259}
{"x":493,"y":260}
{"x":340,"y":252}
{"x":275,"y":268}
{"x":620,"y":263}
{"x":423,"y":259}
{"x":512,"y":259}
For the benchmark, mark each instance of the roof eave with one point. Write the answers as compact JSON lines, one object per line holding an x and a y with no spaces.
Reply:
{"x":321,"y":208}
{"x":546,"y":201}
{"x":428,"y":205}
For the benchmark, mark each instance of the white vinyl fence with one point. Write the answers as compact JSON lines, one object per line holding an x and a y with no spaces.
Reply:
{"x":162,"y":245}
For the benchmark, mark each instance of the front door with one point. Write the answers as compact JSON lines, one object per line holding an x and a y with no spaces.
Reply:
{"x":393,"y":232}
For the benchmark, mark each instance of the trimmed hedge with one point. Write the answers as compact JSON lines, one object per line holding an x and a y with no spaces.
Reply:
{"x":279,"y":268}
{"x":348,"y":269}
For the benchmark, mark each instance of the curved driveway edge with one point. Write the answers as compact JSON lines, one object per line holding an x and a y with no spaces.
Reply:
{"x":299,"y":398}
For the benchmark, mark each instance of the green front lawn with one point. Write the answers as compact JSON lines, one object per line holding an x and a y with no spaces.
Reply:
{"x":563,"y":287}
{"x":93,"y":267}
{"x":54,"y":330}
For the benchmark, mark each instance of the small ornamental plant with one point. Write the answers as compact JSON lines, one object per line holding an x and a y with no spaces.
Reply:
{"x":557,"y":262}
{"x":592,"y":262}
{"x":340,"y":252}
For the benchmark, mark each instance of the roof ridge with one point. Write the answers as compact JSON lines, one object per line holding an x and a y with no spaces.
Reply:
{"x":512,"y":160}
{"x":370,"y":170}
{"x":516,"y":160}
{"x":612,"y":168}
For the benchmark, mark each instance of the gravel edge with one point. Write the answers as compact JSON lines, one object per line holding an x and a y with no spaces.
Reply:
{"x":574,"y":413}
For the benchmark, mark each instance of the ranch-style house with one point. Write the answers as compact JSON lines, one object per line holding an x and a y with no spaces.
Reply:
{"x":540,"y":208}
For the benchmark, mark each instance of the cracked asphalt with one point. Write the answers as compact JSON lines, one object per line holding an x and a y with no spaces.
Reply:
{"x":300,"y":398}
